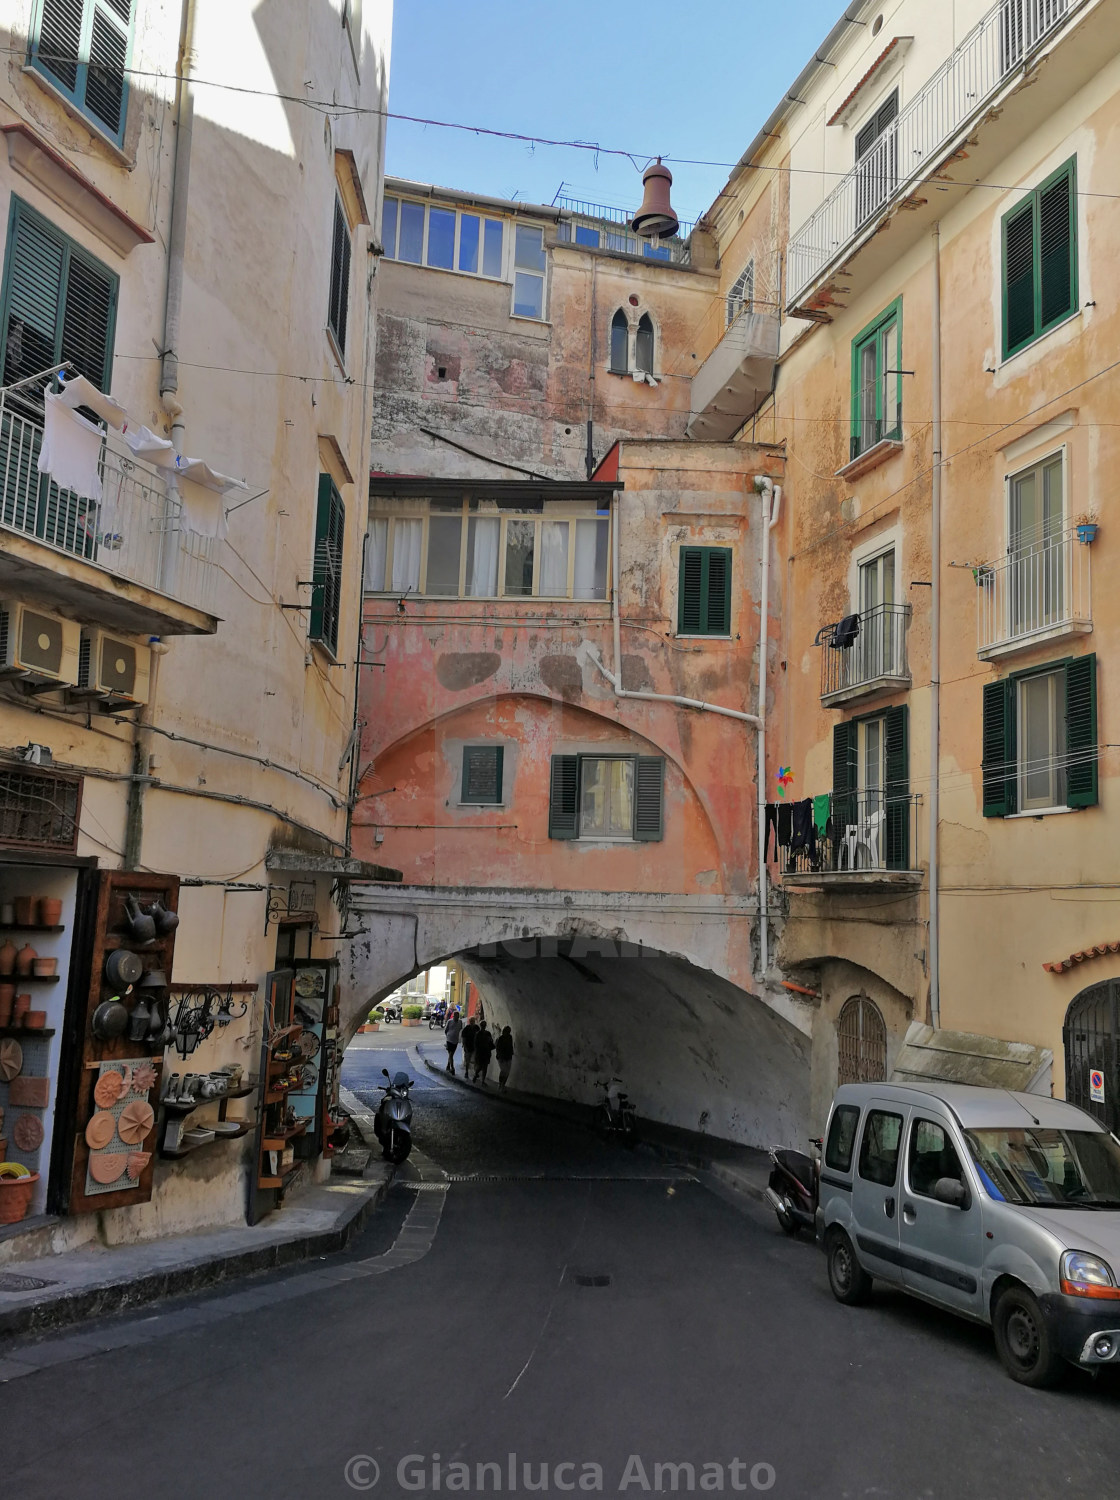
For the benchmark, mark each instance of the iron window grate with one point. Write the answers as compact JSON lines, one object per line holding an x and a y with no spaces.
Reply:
{"x":39,"y":810}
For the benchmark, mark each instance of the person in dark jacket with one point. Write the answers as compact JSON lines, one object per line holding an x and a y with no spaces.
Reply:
{"x":470,"y":1036}
{"x":483,"y":1051}
{"x":451,"y":1033}
{"x":503,"y":1051}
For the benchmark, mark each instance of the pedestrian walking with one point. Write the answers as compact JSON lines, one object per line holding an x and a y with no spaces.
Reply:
{"x":503,"y":1051}
{"x":470,"y":1035}
{"x":451,"y":1034}
{"x":483,"y":1051}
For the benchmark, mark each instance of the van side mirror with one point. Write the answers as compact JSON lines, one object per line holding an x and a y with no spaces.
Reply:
{"x":949,"y":1190}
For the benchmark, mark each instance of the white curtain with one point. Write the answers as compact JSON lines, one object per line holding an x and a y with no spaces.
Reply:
{"x":483,"y":535}
{"x":554,"y":559}
{"x":591,"y":560}
{"x":407,"y":537}
{"x":378,"y":553}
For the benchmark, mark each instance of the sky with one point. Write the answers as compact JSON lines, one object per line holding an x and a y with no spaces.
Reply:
{"x":658,"y":77}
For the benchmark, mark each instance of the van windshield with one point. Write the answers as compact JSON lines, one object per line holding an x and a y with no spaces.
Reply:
{"x":1048,"y":1168}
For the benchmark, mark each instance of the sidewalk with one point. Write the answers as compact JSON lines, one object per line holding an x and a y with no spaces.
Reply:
{"x":54,"y":1290}
{"x":742,"y":1169}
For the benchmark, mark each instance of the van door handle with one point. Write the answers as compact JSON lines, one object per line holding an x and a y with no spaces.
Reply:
{"x":909,"y":1213}
{"x":888,"y":1207}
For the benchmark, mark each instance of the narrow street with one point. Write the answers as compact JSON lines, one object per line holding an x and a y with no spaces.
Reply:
{"x":713,"y":1339}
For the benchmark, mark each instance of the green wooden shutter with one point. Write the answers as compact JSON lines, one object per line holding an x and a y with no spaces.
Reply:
{"x":704,"y":591}
{"x":34,"y":267}
{"x":649,"y":798}
{"x":340,"y":276}
{"x":563,"y":805}
{"x":326,"y":593}
{"x":58,"y":46}
{"x":998,"y":765}
{"x":717,"y":594}
{"x":1081,"y":731}
{"x":87,"y":320}
{"x":897,"y":745}
{"x":845,"y":773}
{"x":1057,"y":208}
{"x":106,"y":90}
{"x":1019,"y":325}
{"x":482,"y":773}
{"x":83,"y":47}
{"x":690,"y":591}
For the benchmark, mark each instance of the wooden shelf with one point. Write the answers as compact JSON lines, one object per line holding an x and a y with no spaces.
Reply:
{"x":26,"y":1031}
{"x":29,"y":927}
{"x":18,"y":979}
{"x":228,"y":1135}
{"x":276,"y":1140}
{"x":278,"y":1182}
{"x":177,"y":1107}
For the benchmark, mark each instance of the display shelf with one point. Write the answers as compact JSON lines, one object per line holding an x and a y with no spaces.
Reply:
{"x":278,"y":1182}
{"x":276,"y":1140}
{"x":32,"y":978}
{"x":175,"y":1123}
{"x":231,"y":1135}
{"x":185,"y":1107}
{"x":27,"y":1031}
{"x":29,"y":927}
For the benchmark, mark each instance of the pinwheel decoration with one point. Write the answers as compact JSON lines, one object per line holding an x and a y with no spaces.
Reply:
{"x":785,"y":778}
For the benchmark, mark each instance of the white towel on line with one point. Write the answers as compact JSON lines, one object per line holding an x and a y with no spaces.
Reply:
{"x":71,"y":449}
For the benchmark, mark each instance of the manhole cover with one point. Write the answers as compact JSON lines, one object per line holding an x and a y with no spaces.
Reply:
{"x":583,"y":1278}
{"x":12,"y":1283}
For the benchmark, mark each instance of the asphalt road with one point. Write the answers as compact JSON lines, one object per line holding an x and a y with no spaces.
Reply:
{"x":571,"y":1304}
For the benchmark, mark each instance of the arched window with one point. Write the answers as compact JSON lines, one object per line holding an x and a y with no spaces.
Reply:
{"x":862,"y":1035}
{"x":1091,"y":1034}
{"x":741,"y":296}
{"x":643,"y":352}
{"x":620,"y":343}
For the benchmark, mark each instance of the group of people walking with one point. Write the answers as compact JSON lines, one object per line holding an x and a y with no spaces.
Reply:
{"x":479,"y":1046}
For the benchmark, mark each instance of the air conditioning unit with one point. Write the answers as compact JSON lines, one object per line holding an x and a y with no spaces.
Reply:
{"x":39,"y":649}
{"x":112,"y":668}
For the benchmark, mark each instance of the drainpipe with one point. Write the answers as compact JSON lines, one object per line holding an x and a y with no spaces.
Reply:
{"x":771,"y":497}
{"x":935,"y":653}
{"x":176,"y":252}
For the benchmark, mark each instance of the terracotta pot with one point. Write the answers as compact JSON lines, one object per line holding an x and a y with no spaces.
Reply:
{"x":7,"y":1000}
{"x":25,"y":959}
{"x":35,"y":1020}
{"x":50,"y":911}
{"x":20,"y":1008}
{"x":15,"y":1197}
{"x":45,"y":968}
{"x":8,"y":952}
{"x":3,"y":1149}
{"x":25,"y":911}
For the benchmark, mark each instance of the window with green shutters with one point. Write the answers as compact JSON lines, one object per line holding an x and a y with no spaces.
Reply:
{"x":1040,"y":739}
{"x":865,"y":784}
{"x":59,"y":303}
{"x":1040,"y":260}
{"x":339,"y":306}
{"x":326,"y":592}
{"x":877,"y":382}
{"x":482,"y":774}
{"x":615,"y":797}
{"x":83,"y":48}
{"x":704,"y":591}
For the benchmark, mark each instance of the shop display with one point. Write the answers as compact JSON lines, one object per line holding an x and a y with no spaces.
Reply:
{"x":134,"y":1122}
{"x":27,"y":1132}
{"x":11,"y":1059}
{"x":29,"y":1093}
{"x":106,"y":1167}
{"x":124,"y":1121}
{"x":108,"y":1088}
{"x":99,"y":1131}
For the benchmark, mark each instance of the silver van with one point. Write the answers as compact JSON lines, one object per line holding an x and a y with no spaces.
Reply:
{"x":1002,"y":1207}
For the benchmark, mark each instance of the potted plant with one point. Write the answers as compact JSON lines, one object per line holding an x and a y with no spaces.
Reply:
{"x":412,"y":1014}
{"x":983,"y":574}
{"x":1087,"y":527}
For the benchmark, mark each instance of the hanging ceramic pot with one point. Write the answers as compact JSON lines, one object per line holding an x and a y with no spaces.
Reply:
{"x":123,"y":968}
{"x":8,"y":952}
{"x":154,"y":979}
{"x":157,"y":1022}
{"x":139,"y":1021}
{"x":142,"y":926}
{"x":166,"y":921}
{"x":110,"y":1020}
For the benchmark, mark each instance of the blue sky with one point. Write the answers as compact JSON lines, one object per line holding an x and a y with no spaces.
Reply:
{"x":660,"y":76}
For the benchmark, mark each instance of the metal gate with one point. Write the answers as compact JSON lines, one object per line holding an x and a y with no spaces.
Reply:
{"x":1091,"y":1037}
{"x":862,"y":1035}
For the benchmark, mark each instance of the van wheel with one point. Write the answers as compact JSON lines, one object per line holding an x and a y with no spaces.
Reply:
{"x":1023,"y":1340}
{"x":850,"y":1283}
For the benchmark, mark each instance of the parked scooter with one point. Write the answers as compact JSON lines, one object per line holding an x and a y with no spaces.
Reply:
{"x":616,"y":1116}
{"x":392,"y":1124}
{"x":794,"y":1188}
{"x":436,"y":1017}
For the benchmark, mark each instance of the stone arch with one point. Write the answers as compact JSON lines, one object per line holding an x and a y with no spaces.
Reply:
{"x":1091,"y":1037}
{"x":861,"y":1034}
{"x":620,"y":343}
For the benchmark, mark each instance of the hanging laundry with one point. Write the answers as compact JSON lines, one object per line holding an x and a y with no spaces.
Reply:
{"x":71,"y":449}
{"x":785,"y":824}
{"x":844,"y":636}
{"x":804,"y":832}
{"x":771,"y":831}
{"x":822,"y":810}
{"x":204,"y":510}
{"x":78,"y":391}
{"x":147,"y":445}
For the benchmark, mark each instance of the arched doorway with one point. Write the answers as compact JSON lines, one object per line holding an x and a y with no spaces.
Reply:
{"x":862,"y":1036}
{"x":1092,"y":1043}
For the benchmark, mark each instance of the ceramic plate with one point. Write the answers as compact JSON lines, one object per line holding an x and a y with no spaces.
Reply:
{"x":100,"y":1130}
{"x":107,"y":1168}
{"x":108,"y":1089}
{"x":27,"y":1132}
{"x":136,"y":1119}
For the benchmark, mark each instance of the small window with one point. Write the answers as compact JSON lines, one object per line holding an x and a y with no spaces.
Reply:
{"x":529,"y":263}
{"x":1040,"y":739}
{"x":441,"y":238}
{"x":704,"y":592}
{"x":83,"y":47}
{"x":326,"y":592}
{"x":741,"y":296}
{"x":877,"y":382}
{"x":389,"y":214}
{"x":643,"y":345}
{"x":617,"y":797}
{"x":410,"y":245}
{"x":606,"y":791}
{"x":340,"y":277}
{"x":862,"y":1037}
{"x":1040,"y":260}
{"x":932,"y":1156}
{"x":841,"y":1138}
{"x":482,"y":774}
{"x":878,"y":1153}
{"x":1041,"y":762}
{"x":620,"y":343}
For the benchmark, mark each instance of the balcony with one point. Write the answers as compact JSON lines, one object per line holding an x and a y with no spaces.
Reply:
{"x":871,"y":842}
{"x":875,"y":662}
{"x":600,"y":227}
{"x":123,"y":562}
{"x":1036,"y":593}
{"x":922,"y":138}
{"x":736,"y":377}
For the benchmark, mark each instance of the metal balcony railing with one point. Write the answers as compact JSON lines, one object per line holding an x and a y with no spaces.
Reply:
{"x":133,"y":532}
{"x":866,"y":832}
{"x":1034,"y":589}
{"x":907,"y":149}
{"x":602,"y":227}
{"x":877,"y":652}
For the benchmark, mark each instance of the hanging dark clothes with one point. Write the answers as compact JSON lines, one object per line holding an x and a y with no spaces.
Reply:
{"x":844,"y":636}
{"x":771,"y":830}
{"x":804,"y":829}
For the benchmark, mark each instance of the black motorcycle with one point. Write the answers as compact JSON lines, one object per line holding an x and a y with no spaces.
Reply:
{"x":436,"y":1017}
{"x":615,"y":1115}
{"x":794,"y":1188}
{"x":392,"y":1124}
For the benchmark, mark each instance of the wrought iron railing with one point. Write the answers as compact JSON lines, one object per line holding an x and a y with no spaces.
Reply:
{"x":878,"y":651}
{"x":599,"y":226}
{"x":864,"y":831}
{"x":1035,"y":588}
{"x":907,"y":149}
{"x":133,"y":532}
